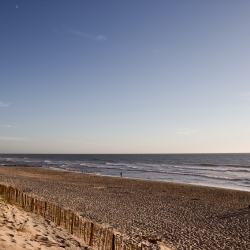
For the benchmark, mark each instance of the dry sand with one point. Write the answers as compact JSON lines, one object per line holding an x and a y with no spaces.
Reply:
{"x":20,"y":230}
{"x":184,"y":216}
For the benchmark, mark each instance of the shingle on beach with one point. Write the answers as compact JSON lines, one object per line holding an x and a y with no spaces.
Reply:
{"x":184,"y":216}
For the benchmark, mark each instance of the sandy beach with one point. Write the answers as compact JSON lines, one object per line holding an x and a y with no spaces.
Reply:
{"x":21,"y":230}
{"x":183,"y":216}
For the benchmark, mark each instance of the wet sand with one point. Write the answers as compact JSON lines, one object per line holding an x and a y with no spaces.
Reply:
{"x":184,"y":216}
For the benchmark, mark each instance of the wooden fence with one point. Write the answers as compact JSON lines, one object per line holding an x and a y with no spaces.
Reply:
{"x":95,"y":235}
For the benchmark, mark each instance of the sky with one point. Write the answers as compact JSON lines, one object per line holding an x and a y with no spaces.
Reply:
{"x":124,"y":76}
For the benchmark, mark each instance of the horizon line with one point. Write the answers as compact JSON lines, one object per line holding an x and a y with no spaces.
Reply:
{"x":116,"y":153}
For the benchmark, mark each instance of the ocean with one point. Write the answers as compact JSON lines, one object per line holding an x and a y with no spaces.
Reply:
{"x":216,"y":170}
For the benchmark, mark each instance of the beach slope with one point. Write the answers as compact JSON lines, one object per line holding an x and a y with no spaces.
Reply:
{"x":183,"y":216}
{"x":21,"y":230}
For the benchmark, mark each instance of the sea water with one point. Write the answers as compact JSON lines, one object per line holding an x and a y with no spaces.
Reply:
{"x":217,"y":170}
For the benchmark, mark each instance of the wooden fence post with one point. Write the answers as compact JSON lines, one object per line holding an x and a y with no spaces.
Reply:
{"x":95,"y":235}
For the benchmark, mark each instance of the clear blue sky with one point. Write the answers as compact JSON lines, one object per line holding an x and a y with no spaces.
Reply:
{"x":124,"y":76}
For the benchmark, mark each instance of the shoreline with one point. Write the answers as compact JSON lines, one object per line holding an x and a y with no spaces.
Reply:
{"x":132,"y":178}
{"x":150,"y":180}
{"x":183,"y":215}
{"x":216,"y":170}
